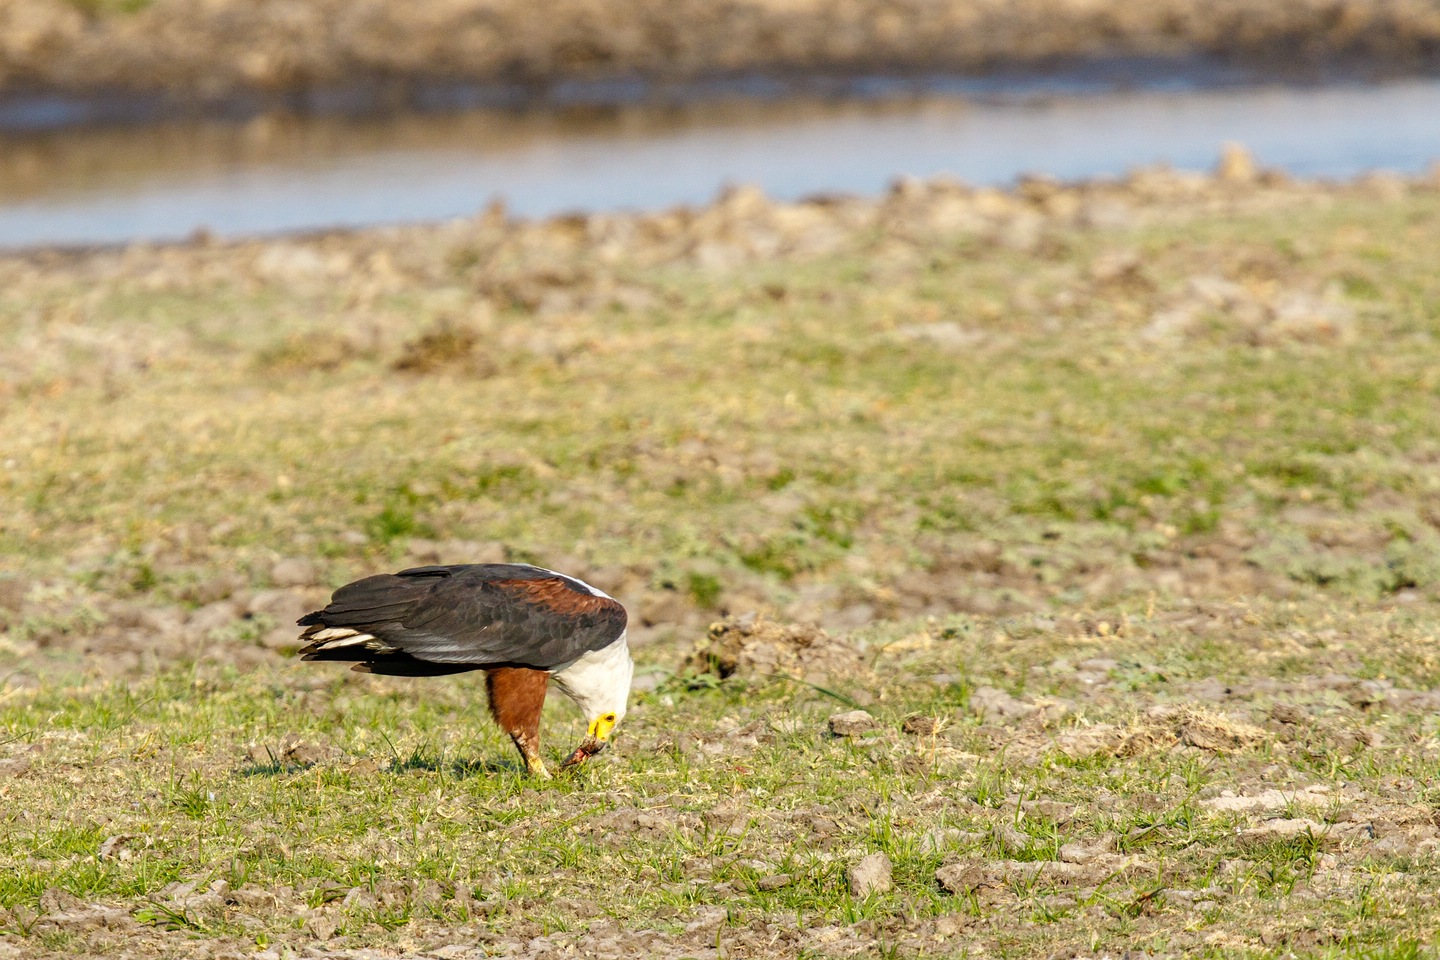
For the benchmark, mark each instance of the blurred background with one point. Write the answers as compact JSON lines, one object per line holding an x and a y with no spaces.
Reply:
{"x":131,"y":119}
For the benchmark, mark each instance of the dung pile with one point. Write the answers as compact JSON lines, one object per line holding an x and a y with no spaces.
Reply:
{"x":1170,"y":727}
{"x":751,"y":645}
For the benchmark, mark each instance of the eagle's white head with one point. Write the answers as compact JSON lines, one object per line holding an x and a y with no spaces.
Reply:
{"x":599,"y":683}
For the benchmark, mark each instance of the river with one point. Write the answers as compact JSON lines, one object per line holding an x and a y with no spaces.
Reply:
{"x":81,"y":185}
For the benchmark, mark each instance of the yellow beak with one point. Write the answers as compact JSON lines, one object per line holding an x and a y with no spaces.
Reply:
{"x":601,"y":727}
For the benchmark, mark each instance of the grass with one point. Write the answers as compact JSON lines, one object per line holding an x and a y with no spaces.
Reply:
{"x":684,"y":815}
{"x":1077,"y":508}
{"x":103,"y":8}
{"x":834,"y":448}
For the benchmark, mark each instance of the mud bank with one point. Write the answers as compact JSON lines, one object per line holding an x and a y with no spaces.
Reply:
{"x":558,"y":263}
{"x":298,"y":53}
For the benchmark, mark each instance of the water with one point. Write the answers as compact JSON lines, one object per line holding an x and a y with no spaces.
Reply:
{"x":271,"y":174}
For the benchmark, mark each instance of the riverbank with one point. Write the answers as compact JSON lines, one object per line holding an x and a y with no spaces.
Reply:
{"x":274,"y":174}
{"x":318,"y":53}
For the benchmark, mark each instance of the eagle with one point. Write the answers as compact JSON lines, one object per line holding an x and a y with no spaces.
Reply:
{"x":523,"y":625}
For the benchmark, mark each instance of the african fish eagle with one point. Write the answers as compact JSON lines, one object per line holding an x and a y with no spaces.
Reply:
{"x":522,"y":625}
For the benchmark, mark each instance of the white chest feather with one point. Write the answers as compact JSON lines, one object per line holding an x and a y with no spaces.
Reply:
{"x":599,"y":681}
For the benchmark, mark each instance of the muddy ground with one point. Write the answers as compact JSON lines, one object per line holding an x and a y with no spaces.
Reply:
{"x":374,"y":53}
{"x":1072,"y":555}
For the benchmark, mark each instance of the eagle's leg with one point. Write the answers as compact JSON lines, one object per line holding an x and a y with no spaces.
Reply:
{"x":517,"y":695}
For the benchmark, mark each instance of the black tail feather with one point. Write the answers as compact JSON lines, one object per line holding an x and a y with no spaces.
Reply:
{"x":318,"y":651}
{"x":395,"y":664}
{"x":404,"y":665}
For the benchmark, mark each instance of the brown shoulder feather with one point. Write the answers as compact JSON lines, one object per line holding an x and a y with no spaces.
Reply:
{"x":557,"y":595}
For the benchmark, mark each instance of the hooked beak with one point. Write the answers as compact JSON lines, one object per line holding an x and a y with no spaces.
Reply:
{"x":590,"y":746}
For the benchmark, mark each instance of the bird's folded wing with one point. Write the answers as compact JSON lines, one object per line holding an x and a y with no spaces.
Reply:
{"x":470,"y":615}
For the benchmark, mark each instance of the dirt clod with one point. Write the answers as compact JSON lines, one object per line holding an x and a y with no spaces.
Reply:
{"x":920,"y":725}
{"x":997,"y":706}
{"x":852,"y":723}
{"x":869,"y":875}
{"x":1283,"y":829}
{"x":966,"y":878}
{"x":1050,"y":810}
{"x":55,"y":900}
{"x":962,"y":878}
{"x":1313,"y":796}
{"x":1287,"y":713}
{"x":1087,"y":853}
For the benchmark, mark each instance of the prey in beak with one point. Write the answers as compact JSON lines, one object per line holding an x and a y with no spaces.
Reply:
{"x":597,"y":737}
{"x":587,"y":749}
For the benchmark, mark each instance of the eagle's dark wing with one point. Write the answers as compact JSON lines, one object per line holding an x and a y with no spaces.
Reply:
{"x":462,"y":617}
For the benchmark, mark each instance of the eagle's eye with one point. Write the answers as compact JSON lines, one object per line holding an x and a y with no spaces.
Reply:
{"x":609,"y":718}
